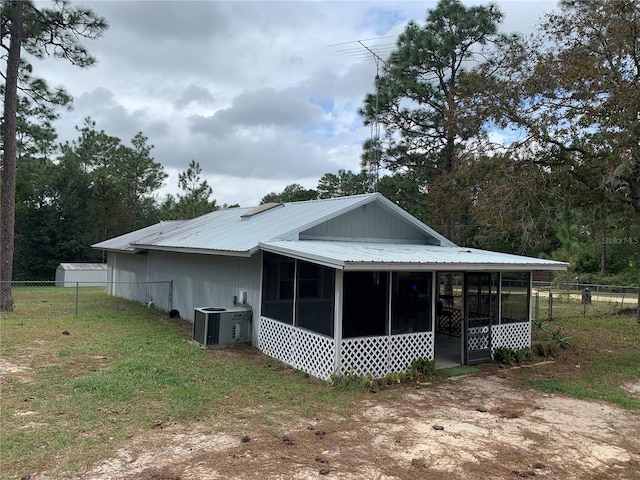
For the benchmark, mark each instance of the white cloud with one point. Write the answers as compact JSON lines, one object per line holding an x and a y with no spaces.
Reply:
{"x":253,"y":91}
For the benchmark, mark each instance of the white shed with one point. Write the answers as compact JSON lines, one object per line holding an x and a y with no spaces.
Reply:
{"x":81,"y":274}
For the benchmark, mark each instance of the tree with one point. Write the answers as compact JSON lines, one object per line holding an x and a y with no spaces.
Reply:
{"x":40,"y":32}
{"x":123,"y":179}
{"x":196,"y":199}
{"x":291,"y":193}
{"x":344,"y":183}
{"x":581,"y":76}
{"x":588,"y":82}
{"x":426,"y":99}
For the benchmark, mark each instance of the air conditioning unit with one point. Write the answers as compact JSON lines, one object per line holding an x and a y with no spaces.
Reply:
{"x":214,"y":326}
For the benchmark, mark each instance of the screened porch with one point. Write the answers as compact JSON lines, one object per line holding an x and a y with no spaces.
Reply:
{"x":324,"y":320}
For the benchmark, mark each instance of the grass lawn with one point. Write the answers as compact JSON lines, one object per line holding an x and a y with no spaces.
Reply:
{"x":603,"y":358}
{"x":87,"y":383}
{"x":81,"y":386}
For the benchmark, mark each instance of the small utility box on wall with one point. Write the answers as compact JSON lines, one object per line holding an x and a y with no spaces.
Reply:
{"x":217,"y":326}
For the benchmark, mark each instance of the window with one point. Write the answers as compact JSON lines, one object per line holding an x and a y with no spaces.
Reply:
{"x":411,"y":302}
{"x":314,"y":302}
{"x":364,"y":309}
{"x":277,"y":287}
{"x":515,"y":297}
{"x":295,"y":286}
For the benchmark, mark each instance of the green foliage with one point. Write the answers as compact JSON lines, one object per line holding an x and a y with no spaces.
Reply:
{"x":423,"y":366}
{"x":39,"y":32}
{"x":353,"y":382}
{"x":420,"y":368}
{"x":343,"y":184}
{"x":291,"y":193}
{"x":429,"y":125}
{"x":559,"y":337}
{"x":510,"y":356}
{"x":504,"y":355}
{"x":545,"y":349}
{"x":196,"y":198}
{"x":98,"y":188}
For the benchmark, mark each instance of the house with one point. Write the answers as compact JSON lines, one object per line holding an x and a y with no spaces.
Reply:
{"x":81,"y":274}
{"x":350,"y":284}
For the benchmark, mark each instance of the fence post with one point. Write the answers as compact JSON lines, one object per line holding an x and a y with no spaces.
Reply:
{"x":537,"y":310}
{"x":550,"y":309}
{"x":77,"y":295}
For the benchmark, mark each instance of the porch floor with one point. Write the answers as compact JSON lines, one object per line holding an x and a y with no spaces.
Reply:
{"x":447,"y":351}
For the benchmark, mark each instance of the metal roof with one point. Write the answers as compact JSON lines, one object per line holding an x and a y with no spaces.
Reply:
{"x":276,"y":228}
{"x":82,"y":266}
{"x":370,"y":256}
{"x":126,"y":242}
{"x":226,"y":232}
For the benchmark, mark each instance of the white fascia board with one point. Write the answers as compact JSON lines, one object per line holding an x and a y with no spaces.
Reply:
{"x":201,"y":251}
{"x":449,"y":267}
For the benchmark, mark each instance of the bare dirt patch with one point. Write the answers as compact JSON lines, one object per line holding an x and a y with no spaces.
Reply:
{"x":474,"y":427}
{"x":633,"y":389}
{"x":10,"y":370}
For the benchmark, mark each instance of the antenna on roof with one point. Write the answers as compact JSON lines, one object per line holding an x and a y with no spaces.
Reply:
{"x":377,"y":54}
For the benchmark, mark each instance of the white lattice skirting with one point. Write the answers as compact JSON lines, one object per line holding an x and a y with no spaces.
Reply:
{"x":379,"y":356}
{"x":513,"y":335}
{"x":316,"y":354}
{"x":302,"y":349}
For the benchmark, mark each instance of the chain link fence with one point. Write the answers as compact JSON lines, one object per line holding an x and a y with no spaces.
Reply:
{"x":563,"y":299}
{"x":69,"y":296}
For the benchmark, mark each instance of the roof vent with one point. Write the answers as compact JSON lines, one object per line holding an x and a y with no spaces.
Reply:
{"x":259,"y":209}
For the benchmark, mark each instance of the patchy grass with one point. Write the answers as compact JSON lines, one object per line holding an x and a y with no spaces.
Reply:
{"x":604,"y":355}
{"x":458,"y":371}
{"x":87,"y":383}
{"x":80,"y":387}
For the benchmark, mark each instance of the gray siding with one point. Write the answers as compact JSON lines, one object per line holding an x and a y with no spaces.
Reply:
{"x":207,"y":280}
{"x":198,"y":280}
{"x":367,"y":223}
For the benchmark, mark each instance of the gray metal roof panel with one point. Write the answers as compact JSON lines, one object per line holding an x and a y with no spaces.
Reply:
{"x":360,"y":255}
{"x":128,"y":241}
{"x":227,"y":231}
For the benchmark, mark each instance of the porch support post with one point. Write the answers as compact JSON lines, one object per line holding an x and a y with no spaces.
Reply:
{"x":499,"y":298}
{"x":337,"y":320}
{"x":434,"y":293}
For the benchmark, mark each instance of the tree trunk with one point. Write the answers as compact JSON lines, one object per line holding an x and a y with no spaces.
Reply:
{"x":8,"y":207}
{"x":603,"y":250}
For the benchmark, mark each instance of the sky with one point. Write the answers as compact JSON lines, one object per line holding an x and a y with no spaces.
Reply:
{"x":262,"y":94}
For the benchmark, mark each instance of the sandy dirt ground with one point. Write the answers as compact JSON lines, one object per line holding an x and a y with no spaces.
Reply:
{"x":477,"y":427}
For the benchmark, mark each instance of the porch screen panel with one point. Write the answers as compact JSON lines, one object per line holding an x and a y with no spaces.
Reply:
{"x":411,"y":302}
{"x":278,"y":287}
{"x":364,"y":310}
{"x":315,"y":298}
{"x":515,"y":295}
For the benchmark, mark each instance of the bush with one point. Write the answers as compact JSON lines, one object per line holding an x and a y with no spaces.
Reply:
{"x":546,"y":349}
{"x":351,"y":381}
{"x":419,"y":368}
{"x":422,"y":366}
{"x":509,"y":356}
{"x":505,"y":355}
{"x":559,"y":337}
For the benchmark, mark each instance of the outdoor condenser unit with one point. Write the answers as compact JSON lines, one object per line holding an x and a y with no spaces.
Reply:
{"x":213,"y":326}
